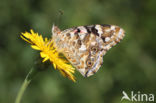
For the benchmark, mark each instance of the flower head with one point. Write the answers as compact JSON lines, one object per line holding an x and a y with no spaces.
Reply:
{"x":49,"y":52}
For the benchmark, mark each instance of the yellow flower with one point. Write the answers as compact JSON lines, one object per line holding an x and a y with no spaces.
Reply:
{"x":49,"y":52}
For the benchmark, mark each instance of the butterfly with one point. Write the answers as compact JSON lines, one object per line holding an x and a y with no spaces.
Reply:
{"x":85,"y":46}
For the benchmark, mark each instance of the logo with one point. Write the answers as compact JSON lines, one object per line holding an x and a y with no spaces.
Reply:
{"x":140,"y":97}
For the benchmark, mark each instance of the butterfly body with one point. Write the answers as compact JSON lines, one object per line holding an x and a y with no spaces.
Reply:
{"x":85,"y":46}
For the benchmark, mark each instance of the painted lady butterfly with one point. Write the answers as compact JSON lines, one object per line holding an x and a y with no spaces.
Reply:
{"x":85,"y":46}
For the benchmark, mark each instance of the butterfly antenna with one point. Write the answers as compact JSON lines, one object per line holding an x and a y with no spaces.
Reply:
{"x":59,"y":17}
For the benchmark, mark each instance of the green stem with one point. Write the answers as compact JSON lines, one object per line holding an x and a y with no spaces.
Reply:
{"x":25,"y":84}
{"x":38,"y":66}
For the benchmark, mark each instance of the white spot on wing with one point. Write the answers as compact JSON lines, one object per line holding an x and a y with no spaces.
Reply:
{"x":99,"y":29}
{"x":82,"y":71}
{"x":107,"y":39}
{"x":112,"y":27}
{"x":93,"y":43}
{"x":120,"y":33}
{"x":82,"y":36}
{"x":72,"y":34}
{"x":83,"y":30}
{"x":83,"y":47}
{"x":107,"y":47}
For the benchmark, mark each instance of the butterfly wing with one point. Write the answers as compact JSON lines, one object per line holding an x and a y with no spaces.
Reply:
{"x":85,"y":46}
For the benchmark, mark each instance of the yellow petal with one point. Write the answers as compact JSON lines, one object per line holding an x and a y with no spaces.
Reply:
{"x":43,"y":55}
{"x":54,"y":65}
{"x":45,"y":59}
{"x":25,"y":39}
{"x":35,"y":47}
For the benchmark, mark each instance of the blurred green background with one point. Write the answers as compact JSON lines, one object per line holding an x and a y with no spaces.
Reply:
{"x":129,"y":66}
